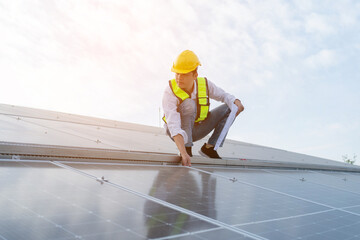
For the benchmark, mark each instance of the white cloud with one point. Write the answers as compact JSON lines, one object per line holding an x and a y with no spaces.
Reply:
{"x":323,"y":58}
{"x":328,"y":130}
{"x":304,"y":5}
{"x":335,"y":127}
{"x":319,"y":24}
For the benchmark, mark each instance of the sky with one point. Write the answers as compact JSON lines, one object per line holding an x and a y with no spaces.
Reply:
{"x":293,"y":64}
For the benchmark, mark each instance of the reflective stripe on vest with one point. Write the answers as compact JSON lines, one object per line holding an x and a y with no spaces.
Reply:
{"x":202,"y":97}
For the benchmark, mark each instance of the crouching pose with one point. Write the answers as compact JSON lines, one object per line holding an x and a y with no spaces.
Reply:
{"x":186,"y":102}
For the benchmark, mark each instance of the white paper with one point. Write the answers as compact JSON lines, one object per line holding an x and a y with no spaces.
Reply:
{"x":227,"y":126}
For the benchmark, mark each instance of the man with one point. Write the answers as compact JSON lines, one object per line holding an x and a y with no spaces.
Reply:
{"x":186,"y":107}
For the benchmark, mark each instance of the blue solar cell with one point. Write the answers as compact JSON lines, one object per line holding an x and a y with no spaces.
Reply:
{"x":217,"y":198}
{"x":295,"y":186}
{"x":39,"y":200}
{"x":43,"y":201}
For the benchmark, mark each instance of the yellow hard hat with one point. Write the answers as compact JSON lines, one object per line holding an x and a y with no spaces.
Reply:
{"x":186,"y":62}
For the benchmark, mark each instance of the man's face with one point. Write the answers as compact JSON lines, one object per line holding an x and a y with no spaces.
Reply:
{"x":186,"y":80}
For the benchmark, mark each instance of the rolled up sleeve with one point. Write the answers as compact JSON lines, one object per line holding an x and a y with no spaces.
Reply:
{"x":173,"y":119}
{"x":219,"y":94}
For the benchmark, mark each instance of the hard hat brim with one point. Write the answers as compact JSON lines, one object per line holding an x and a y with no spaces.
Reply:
{"x":176,"y":70}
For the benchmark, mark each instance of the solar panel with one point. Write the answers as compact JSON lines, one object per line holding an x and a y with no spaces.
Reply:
{"x":331,"y":224}
{"x":298,"y":186}
{"x":73,"y":200}
{"x":203,"y":193}
{"x":335,"y":180}
{"x":39,"y":200}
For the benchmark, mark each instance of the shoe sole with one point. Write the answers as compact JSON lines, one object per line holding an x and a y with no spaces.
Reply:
{"x":203,"y":154}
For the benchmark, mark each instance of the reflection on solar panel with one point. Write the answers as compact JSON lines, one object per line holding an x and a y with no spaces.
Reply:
{"x":77,"y":200}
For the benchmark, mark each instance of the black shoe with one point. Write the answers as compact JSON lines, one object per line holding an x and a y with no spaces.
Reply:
{"x":209,"y":152}
{"x":188,"y":150}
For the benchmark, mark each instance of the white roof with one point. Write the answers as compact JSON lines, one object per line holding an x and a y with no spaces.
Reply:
{"x":48,"y":130}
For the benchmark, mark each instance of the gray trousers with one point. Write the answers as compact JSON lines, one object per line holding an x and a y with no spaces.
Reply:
{"x":196,"y":131}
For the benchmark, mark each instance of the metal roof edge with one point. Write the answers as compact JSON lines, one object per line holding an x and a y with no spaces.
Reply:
{"x":18,"y":111}
{"x":80,"y":119}
{"x":48,"y":152}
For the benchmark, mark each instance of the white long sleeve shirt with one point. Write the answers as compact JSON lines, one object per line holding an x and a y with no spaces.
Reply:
{"x":170,"y":104}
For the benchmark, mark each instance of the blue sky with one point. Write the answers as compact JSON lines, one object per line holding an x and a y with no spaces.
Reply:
{"x":294,"y":64}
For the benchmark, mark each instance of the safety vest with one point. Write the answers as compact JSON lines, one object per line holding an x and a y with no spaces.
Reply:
{"x":202,"y":97}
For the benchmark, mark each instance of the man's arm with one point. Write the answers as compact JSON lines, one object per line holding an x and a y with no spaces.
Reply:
{"x":220,"y":95}
{"x":174,"y":124}
{"x":185,"y":158}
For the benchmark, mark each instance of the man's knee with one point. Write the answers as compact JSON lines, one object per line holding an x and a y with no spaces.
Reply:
{"x":224,"y":110}
{"x":187,"y":107}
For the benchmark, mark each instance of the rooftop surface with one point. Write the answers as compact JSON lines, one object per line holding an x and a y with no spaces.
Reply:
{"x":67,"y":176}
{"x":27,"y":131}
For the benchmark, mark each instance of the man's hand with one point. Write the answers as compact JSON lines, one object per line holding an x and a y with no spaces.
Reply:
{"x":239,"y":105}
{"x":185,"y":160}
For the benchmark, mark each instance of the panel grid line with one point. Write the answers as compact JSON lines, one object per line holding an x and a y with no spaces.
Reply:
{"x":80,"y":207}
{"x":320,"y":184}
{"x":214,"y":174}
{"x":282,"y":193}
{"x":217,"y":175}
{"x":48,"y":220}
{"x":188,"y":234}
{"x":351,"y":206}
{"x":45,"y":219}
{"x":166,"y":204}
{"x":248,"y":223}
{"x":285,"y":218}
{"x":69,"y":133}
